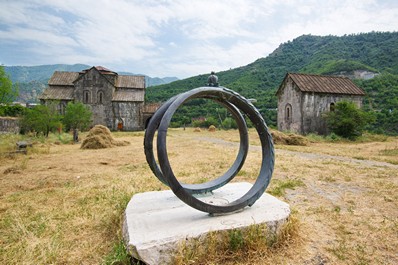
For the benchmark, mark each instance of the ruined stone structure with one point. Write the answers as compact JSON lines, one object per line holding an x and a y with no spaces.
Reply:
{"x":9,"y":125}
{"x":303,"y":98}
{"x":117,"y":101}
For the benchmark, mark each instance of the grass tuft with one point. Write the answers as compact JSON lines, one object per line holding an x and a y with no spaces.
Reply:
{"x":118,"y":255}
{"x":238,"y":245}
{"x":278,"y":187}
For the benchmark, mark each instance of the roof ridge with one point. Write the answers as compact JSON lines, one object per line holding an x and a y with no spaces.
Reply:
{"x":332,"y":76}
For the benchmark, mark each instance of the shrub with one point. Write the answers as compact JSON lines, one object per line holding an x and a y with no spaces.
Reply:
{"x":229,"y":123}
{"x":12,"y":111}
{"x":41,"y":119}
{"x":347,"y":120}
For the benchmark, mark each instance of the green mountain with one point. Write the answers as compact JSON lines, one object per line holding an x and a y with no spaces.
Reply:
{"x":375,"y":52}
{"x":32,"y":80}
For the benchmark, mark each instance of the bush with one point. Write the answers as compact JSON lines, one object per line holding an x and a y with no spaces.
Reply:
{"x":206,"y":123}
{"x":347,"y":120}
{"x":229,"y":123}
{"x":12,"y":111}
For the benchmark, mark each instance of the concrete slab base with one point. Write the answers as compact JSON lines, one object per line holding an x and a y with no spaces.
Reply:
{"x":156,"y":222}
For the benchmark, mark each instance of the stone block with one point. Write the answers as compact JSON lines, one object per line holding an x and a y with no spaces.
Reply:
{"x":156,"y":222}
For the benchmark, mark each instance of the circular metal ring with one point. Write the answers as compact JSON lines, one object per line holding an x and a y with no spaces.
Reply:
{"x":267,"y":165}
{"x":210,"y":185}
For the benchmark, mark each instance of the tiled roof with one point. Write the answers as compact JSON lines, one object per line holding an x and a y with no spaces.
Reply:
{"x":151,"y":107}
{"x":128,"y":95}
{"x":103,"y":69}
{"x":325,"y":84}
{"x":60,"y":78}
{"x":63,"y":78}
{"x":58,"y":93}
{"x":130,"y":81}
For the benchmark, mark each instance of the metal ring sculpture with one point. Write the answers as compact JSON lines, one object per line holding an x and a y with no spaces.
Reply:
{"x":236,"y":104}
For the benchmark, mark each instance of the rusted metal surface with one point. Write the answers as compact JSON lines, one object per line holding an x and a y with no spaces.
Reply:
{"x":236,"y":104}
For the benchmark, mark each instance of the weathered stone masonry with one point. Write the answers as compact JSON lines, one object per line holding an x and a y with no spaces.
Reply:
{"x":117,"y":101}
{"x":303,"y":98}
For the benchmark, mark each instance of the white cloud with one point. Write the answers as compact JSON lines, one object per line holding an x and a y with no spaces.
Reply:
{"x":179,"y":37}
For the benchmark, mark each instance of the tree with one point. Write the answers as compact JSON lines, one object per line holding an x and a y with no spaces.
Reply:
{"x":347,"y":120}
{"x":77,"y":116}
{"x":7,"y":92}
{"x":42,"y":119}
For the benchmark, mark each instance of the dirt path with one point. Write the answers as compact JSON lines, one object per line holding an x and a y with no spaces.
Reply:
{"x":347,"y":206}
{"x":312,"y":156}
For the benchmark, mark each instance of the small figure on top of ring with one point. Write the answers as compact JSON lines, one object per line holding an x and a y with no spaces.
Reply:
{"x":212,"y":80}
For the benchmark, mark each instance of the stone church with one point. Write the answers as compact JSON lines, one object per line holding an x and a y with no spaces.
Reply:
{"x":303,"y":98}
{"x":116,"y":101}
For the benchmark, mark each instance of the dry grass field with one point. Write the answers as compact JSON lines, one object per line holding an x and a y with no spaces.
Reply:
{"x":60,"y":204}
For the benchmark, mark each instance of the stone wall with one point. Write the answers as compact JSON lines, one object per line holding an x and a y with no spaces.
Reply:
{"x":95,"y":91}
{"x":9,"y":125}
{"x":289,"y":105}
{"x":129,"y":114}
{"x":314,"y":105}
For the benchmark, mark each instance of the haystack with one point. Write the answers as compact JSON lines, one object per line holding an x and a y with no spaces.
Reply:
{"x":100,"y":137}
{"x":197,"y":129}
{"x":212,"y":128}
{"x":288,"y":139}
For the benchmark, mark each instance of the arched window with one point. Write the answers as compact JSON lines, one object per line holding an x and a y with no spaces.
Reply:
{"x":332,"y":106}
{"x":288,"y":113}
{"x":62,"y":108}
{"x":100,"y":97}
{"x":86,"y":96}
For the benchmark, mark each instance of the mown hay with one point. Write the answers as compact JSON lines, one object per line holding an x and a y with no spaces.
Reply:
{"x":212,"y":128}
{"x":288,"y":139}
{"x":197,"y":129}
{"x":100,"y":137}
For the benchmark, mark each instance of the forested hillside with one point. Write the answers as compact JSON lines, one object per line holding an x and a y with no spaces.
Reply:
{"x":376,"y":52}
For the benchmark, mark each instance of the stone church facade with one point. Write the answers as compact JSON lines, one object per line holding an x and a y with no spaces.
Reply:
{"x":303,"y":98}
{"x":116,"y":101}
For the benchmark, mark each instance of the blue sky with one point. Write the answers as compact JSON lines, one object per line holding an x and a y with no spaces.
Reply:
{"x":179,"y":38}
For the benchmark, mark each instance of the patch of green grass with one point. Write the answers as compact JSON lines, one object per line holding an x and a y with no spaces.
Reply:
{"x":315,"y":137}
{"x":369,"y":137}
{"x":280,"y":186}
{"x":389,"y":152}
{"x":8,"y":142}
{"x":60,"y":138}
{"x":337,"y":209}
{"x":340,"y":250}
{"x":118,"y":255}
{"x":244,"y":173}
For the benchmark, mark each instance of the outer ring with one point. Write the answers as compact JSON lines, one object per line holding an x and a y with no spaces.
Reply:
{"x":267,"y":165}
{"x":210,"y":185}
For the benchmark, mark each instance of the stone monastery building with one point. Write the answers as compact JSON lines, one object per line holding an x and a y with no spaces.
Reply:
{"x":303,"y":98}
{"x":116,"y":101}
